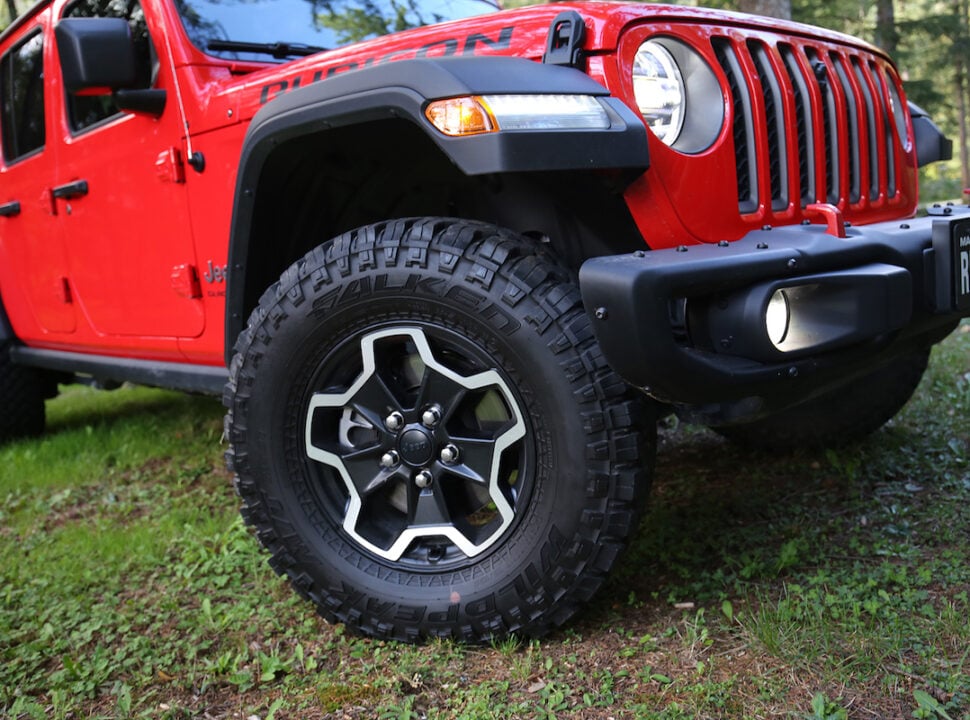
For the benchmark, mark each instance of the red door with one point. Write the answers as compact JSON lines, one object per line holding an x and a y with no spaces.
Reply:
{"x":124,"y":207}
{"x":33,"y":263}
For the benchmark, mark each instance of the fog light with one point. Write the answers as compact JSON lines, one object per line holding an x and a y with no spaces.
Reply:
{"x":778,"y":318}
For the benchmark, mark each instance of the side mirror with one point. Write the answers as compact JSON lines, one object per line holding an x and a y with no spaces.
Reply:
{"x":98,"y":57}
{"x":97,"y":54}
{"x":931,"y":144}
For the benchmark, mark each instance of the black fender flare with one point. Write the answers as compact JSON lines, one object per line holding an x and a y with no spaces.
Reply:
{"x":402,"y":89}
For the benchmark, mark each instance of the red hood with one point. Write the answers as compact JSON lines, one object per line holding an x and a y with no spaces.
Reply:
{"x":231,"y":94}
{"x":519,"y":32}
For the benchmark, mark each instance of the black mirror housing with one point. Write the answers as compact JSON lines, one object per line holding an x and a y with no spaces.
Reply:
{"x":151,"y":102}
{"x":96,"y":53}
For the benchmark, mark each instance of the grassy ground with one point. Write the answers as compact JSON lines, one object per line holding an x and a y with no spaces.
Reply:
{"x":827,"y":585}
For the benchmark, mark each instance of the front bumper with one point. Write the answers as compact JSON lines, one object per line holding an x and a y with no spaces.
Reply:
{"x":688,"y":325}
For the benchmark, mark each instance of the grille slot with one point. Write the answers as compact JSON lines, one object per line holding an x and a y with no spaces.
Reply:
{"x":887,"y":123}
{"x":838,"y":115}
{"x":744,"y":141}
{"x":851,"y":106}
{"x":774,"y":125}
{"x":830,"y":125}
{"x":803,"y":124}
{"x":872,"y":133}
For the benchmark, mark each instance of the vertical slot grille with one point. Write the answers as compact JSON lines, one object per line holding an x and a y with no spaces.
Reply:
{"x":743,"y":130}
{"x":887,"y":123}
{"x":851,"y":106}
{"x":830,"y":125}
{"x":838,"y":114}
{"x":803,"y":124}
{"x":872,"y":134}
{"x":774,"y":126}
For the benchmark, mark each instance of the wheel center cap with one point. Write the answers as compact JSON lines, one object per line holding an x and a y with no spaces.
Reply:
{"x":416,"y":447}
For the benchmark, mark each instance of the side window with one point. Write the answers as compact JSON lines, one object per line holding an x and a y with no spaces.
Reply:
{"x":85,"y":111}
{"x":22,"y":95}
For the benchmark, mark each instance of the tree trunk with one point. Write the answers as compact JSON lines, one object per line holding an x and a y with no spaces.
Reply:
{"x":886,"y":36}
{"x":12,"y":9}
{"x":961,"y":90}
{"x":771,"y":8}
{"x":963,"y":149}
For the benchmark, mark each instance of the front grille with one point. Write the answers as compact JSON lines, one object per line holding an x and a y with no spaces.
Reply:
{"x":811,"y":124}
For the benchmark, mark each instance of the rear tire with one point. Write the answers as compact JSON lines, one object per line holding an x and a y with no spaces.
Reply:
{"x":22,"y":393}
{"x":838,"y":417}
{"x":427,"y":438}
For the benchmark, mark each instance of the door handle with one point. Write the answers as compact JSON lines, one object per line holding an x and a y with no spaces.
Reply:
{"x":10,"y":209}
{"x":71,"y":190}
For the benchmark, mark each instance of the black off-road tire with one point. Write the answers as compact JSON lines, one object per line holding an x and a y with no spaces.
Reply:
{"x":465,"y":336}
{"x":838,"y":417}
{"x":22,"y":393}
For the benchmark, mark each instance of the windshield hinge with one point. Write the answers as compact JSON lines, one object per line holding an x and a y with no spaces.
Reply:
{"x":169,"y":166}
{"x":564,"y":44}
{"x":185,"y":281}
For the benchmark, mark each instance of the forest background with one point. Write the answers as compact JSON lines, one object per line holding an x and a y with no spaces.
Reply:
{"x":928,"y":39}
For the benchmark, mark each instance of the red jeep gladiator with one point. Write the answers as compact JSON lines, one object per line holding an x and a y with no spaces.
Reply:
{"x":457,"y":260}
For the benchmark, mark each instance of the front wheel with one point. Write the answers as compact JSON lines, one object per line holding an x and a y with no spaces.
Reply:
{"x":427,"y":438}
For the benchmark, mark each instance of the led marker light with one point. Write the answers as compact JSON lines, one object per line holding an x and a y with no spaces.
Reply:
{"x":475,"y":115}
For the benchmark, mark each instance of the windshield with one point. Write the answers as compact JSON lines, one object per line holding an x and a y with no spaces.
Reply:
{"x":317,"y":24}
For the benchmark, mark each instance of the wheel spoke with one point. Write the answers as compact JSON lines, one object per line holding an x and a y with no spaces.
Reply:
{"x":428,"y":509}
{"x":436,"y":388}
{"x":475,"y":458}
{"x":374,"y":400}
{"x":365,"y":471}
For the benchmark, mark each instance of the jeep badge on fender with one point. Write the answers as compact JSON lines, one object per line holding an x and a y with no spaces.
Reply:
{"x":446,"y":278}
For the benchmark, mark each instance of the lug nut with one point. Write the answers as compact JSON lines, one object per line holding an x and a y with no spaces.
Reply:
{"x":431,"y":416}
{"x":390,"y":460}
{"x":394,"y":421}
{"x":423,"y":479}
{"x":449,"y":454}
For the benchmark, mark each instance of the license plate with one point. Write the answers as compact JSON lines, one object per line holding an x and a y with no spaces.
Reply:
{"x":951,"y":244}
{"x":960,"y":249}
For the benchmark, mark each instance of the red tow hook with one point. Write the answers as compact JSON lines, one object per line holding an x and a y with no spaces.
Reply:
{"x":834,"y":222}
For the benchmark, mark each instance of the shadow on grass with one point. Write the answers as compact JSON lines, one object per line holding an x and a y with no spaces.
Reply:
{"x":78,"y":407}
{"x":722,"y":519}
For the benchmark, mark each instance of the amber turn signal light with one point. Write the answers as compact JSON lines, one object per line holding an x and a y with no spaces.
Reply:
{"x":460,"y":116}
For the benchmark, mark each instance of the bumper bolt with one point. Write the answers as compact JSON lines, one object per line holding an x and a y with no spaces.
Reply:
{"x":423,"y":479}
{"x":394,"y":421}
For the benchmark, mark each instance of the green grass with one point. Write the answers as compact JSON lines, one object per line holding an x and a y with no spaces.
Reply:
{"x":814,"y":585}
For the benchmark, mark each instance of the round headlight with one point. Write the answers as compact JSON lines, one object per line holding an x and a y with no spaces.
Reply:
{"x":659,"y":90}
